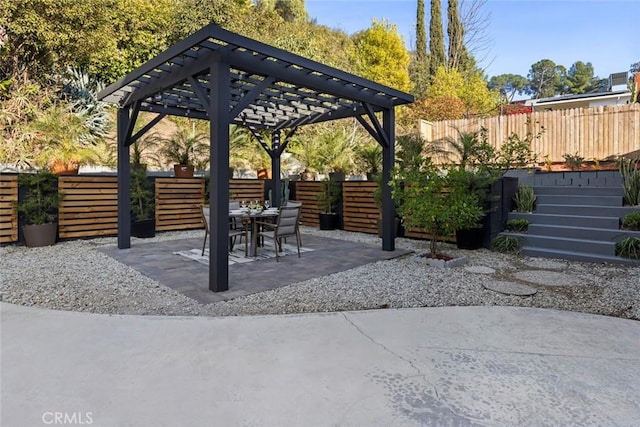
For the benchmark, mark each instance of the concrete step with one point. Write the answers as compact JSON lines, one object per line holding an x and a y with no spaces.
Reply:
{"x":576,"y":256}
{"x":578,"y":200}
{"x":580,"y":232}
{"x":568,"y":220}
{"x":578,"y":191}
{"x":585,"y":210}
{"x":593,"y":247}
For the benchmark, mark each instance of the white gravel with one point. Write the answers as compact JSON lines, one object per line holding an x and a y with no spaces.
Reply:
{"x":73,"y":275}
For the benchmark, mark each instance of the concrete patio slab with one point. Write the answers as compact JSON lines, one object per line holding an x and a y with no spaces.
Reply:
{"x":463,"y":366}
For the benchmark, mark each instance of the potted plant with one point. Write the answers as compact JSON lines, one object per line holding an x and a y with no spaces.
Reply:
{"x":369,"y":159}
{"x":187,"y":150}
{"x":430,"y":199}
{"x":143,"y":223}
{"x":327,"y":202}
{"x":39,"y":207}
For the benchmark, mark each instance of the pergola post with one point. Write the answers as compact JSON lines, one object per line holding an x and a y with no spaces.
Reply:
{"x":219,"y":186}
{"x":276,"y":185}
{"x":388,"y":159}
{"x":124,"y":180}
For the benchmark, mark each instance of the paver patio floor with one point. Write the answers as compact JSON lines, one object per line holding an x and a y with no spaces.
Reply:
{"x":158,"y":261}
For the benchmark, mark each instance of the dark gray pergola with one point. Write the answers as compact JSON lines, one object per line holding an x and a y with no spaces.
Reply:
{"x":226,"y":78}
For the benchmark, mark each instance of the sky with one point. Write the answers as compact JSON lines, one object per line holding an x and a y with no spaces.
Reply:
{"x":519,"y":32}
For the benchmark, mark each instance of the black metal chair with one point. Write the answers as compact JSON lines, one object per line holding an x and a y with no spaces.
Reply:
{"x":233,"y":231}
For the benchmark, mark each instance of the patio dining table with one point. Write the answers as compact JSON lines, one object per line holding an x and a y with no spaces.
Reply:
{"x":252,"y":218}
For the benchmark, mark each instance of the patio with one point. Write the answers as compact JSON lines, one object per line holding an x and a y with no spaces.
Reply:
{"x":158,"y":261}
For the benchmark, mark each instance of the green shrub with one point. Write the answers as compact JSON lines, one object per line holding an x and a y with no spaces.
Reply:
{"x":506,"y":244}
{"x":628,"y":248}
{"x":518,"y":225}
{"x":574,"y":161}
{"x":630,"y":180}
{"x":631,"y":221}
{"x":525,"y":199}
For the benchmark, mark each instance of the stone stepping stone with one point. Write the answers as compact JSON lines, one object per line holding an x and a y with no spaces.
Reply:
{"x":509,"y":288}
{"x":549,"y":278}
{"x":481,"y":269}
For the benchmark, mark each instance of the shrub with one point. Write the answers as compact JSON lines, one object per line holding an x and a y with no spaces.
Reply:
{"x":518,"y":225}
{"x":574,"y":161}
{"x":525,"y":199}
{"x":631,"y":221}
{"x":628,"y":248}
{"x":630,"y":180}
{"x":506,"y":244}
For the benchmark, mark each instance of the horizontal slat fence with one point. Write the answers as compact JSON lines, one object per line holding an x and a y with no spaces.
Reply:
{"x":8,"y":216}
{"x":599,"y":132}
{"x":89,"y":206}
{"x":178,"y":203}
{"x":306,"y":192}
{"x":247,"y":190}
{"x":359,"y":209}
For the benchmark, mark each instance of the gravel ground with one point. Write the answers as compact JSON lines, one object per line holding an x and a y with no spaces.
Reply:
{"x":94,"y":282}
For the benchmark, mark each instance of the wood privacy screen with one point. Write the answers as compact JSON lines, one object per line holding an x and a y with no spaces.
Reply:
{"x":306,"y":192}
{"x":599,"y":132}
{"x":89,"y":206}
{"x":178,"y":203}
{"x":359,"y":209}
{"x":247,"y":190}
{"x":8,"y":216}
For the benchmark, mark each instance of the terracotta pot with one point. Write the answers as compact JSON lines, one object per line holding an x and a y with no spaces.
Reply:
{"x":183,"y":171}
{"x":264,"y":173}
{"x":65,"y":168}
{"x":307,"y":176}
{"x":40,"y":235}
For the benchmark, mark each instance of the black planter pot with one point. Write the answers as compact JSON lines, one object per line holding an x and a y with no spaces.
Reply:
{"x":469,"y":238}
{"x":143,"y":229}
{"x":328,"y":221}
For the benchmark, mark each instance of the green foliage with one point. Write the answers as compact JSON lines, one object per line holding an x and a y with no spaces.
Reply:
{"x":581,"y":78}
{"x":142,"y":197}
{"x":506,"y":244}
{"x":628,"y":248}
{"x":409,"y":152}
{"x":629,"y":169}
{"x":525,"y":199}
{"x":329,"y":196}
{"x":471,"y":89}
{"x":631,"y":221}
{"x":187,"y":147}
{"x":545,"y":79}
{"x":509,"y":85}
{"x":573,"y":161}
{"x":518,"y":225}
{"x":435,"y":200}
{"x":382,"y":56}
{"x":516,"y":151}
{"x":369,"y":157}
{"x":455,"y":32}
{"x":436,"y":40}
{"x":40,"y":205}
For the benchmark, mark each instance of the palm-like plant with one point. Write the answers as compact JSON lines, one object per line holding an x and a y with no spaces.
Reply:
{"x":186,"y":147}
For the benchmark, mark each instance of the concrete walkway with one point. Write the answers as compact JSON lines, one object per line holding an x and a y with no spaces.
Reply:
{"x":458,"y":366}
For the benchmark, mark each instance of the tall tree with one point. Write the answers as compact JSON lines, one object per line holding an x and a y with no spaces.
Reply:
{"x":291,"y":10}
{"x":382,"y":56}
{"x":545,"y":77}
{"x":581,"y":79}
{"x":470,"y":88}
{"x":419,"y":66}
{"x":421,"y":34}
{"x":436,"y":39}
{"x":509,"y":85}
{"x":455,"y":31}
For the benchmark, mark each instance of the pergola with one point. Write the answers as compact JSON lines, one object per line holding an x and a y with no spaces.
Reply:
{"x":226,"y":78}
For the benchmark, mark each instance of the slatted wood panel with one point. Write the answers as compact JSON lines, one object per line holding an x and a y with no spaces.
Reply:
{"x":8,"y":216}
{"x":89,"y":206}
{"x":246,"y":189}
{"x":178,"y":203}
{"x":359,"y":209}
{"x":598,"y":132}
{"x":306,"y":192}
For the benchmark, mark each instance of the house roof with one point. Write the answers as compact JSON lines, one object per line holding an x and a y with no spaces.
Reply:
{"x":269,"y":87}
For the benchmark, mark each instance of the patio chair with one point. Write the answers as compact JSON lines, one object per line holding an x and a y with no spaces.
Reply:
{"x":296,"y":204}
{"x":285,"y":226}
{"x":233,"y":232}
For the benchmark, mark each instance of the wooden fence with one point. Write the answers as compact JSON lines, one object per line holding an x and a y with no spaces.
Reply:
{"x":89,"y":206}
{"x":178,"y":203}
{"x":247,"y":190}
{"x":359,"y":209}
{"x":8,"y":216}
{"x":594,"y":133}
{"x":306,"y":192}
